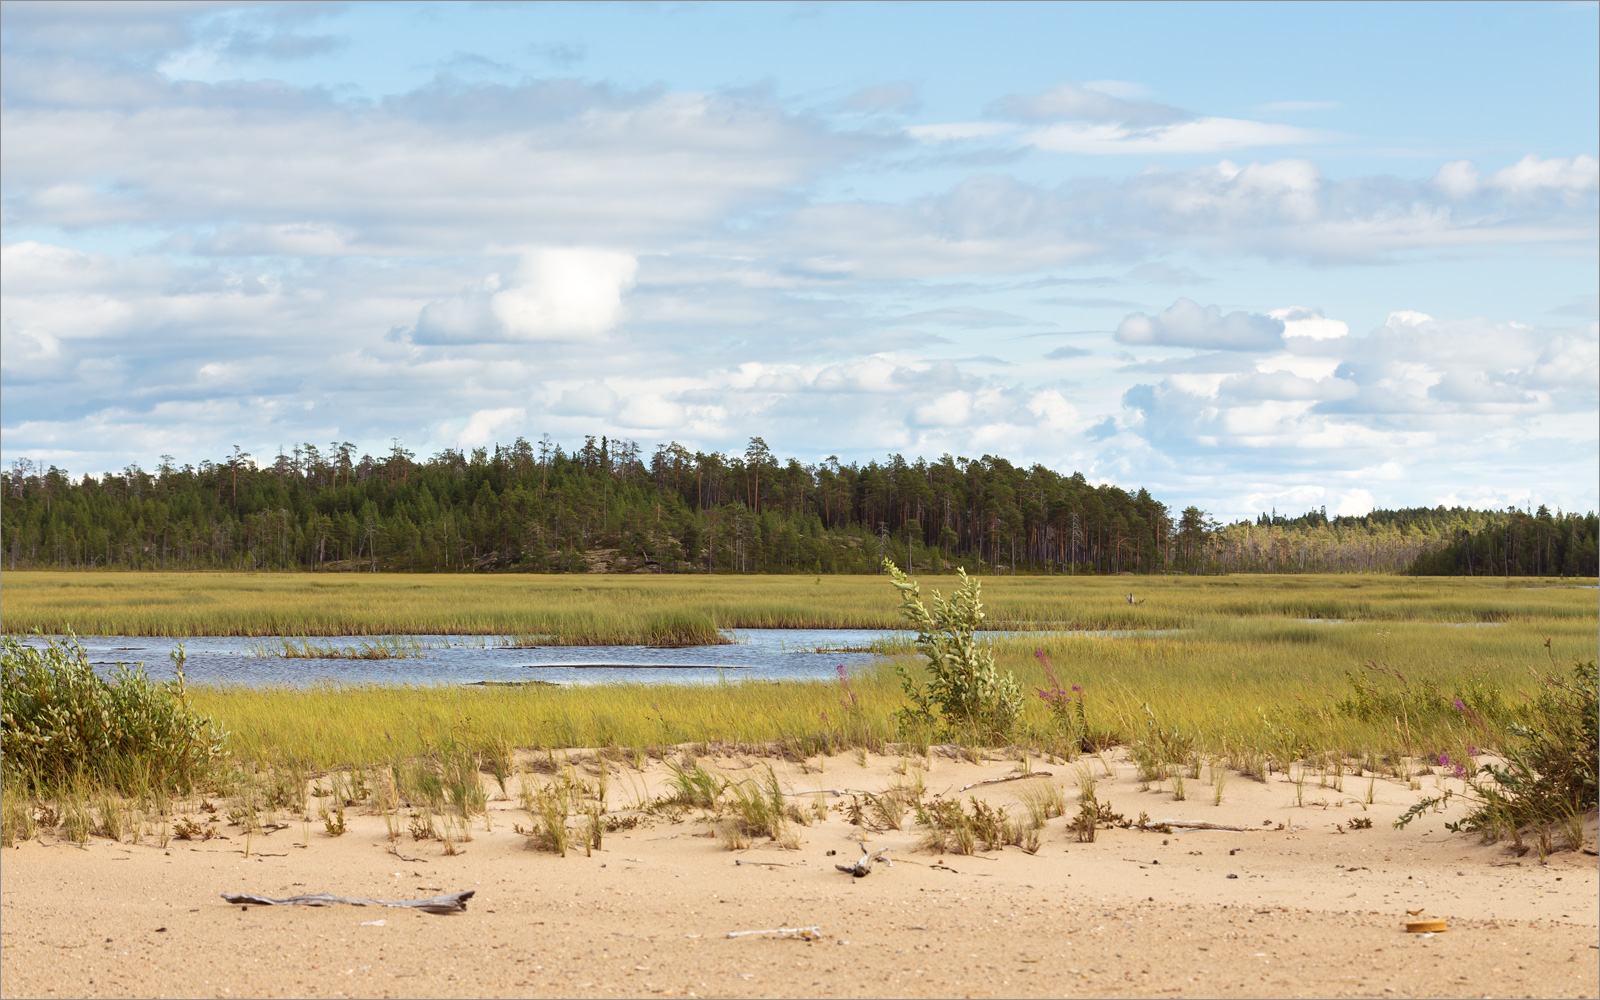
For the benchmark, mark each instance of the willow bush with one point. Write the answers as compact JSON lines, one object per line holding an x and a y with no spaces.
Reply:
{"x":61,"y":723}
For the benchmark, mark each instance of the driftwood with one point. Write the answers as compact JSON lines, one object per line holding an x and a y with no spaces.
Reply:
{"x":455,"y":902}
{"x":863,"y":867}
{"x":804,"y":933}
{"x":1013,"y":777}
{"x":1196,"y":824}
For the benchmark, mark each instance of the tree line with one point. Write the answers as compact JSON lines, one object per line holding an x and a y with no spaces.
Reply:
{"x":608,"y":506}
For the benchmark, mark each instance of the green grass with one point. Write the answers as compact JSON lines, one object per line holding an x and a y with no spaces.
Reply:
{"x":1225,"y":685}
{"x":1244,"y":684}
{"x":667,"y":610}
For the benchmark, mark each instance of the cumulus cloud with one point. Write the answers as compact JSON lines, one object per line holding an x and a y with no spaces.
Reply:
{"x":1309,"y":323}
{"x":951,"y":409}
{"x":565,"y":292}
{"x":1354,"y":503}
{"x":1188,"y":324}
{"x":485,"y":427}
{"x":1571,"y":180}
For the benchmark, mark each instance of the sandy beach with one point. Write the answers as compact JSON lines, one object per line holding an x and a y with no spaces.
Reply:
{"x":1302,"y":903}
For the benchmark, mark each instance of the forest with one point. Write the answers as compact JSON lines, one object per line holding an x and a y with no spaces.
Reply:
{"x":609,"y":507}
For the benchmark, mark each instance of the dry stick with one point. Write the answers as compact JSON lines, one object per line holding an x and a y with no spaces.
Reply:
{"x":1195,"y":824}
{"x":455,"y":902}
{"x":808,"y":933}
{"x":1014,"y":777}
{"x":863,"y":867}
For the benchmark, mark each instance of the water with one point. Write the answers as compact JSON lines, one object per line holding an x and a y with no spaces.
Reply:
{"x":761,"y":654}
{"x":756,"y":654}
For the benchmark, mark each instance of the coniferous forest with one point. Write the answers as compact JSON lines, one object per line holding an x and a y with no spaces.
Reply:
{"x":609,"y":507}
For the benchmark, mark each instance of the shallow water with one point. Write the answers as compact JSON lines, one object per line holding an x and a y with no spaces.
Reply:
{"x":767,"y":654}
{"x":756,"y":654}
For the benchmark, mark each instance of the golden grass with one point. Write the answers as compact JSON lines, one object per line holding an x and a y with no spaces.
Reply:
{"x":1226,"y":684}
{"x":643,"y":609}
{"x":1243,"y":672}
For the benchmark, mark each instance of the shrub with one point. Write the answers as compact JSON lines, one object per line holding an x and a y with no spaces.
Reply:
{"x":1547,"y":774}
{"x":964,"y":689}
{"x":60,"y":723}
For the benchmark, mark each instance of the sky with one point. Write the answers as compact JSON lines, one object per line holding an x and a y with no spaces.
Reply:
{"x":1250,"y":257}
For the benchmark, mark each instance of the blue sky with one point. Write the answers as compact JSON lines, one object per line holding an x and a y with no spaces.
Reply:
{"x":1249,"y":256}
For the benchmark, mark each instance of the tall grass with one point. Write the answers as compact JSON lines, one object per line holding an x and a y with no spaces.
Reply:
{"x":637,"y":610}
{"x":1240,"y":691}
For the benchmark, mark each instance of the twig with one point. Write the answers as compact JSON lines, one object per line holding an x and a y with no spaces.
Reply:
{"x":768,"y":864}
{"x":830,"y":791}
{"x":804,"y":933}
{"x":395,"y":850}
{"x":1012,"y":777}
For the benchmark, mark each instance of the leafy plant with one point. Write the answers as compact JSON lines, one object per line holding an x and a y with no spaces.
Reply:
{"x":964,"y":689}
{"x":61,"y":722}
{"x":1548,"y":770}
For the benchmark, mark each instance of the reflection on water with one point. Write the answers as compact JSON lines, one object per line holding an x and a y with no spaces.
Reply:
{"x":756,"y":654}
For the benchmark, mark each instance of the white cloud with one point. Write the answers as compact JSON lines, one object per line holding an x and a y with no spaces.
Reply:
{"x":485,"y":427}
{"x":1572,"y":178}
{"x":1200,"y":135}
{"x":1188,"y":324}
{"x":951,"y":409}
{"x":565,"y":292}
{"x":1103,"y":102}
{"x":1288,"y":500}
{"x":592,"y":399}
{"x":1354,"y":503}
{"x":652,"y":410}
{"x":1309,"y":323}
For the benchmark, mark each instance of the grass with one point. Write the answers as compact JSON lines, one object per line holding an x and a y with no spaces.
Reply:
{"x":664,"y":610}
{"x":1254,"y":691}
{"x":1240,"y":688}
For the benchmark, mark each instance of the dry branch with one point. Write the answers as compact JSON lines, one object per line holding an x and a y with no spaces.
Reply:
{"x":1195,"y":824}
{"x":863,"y":867}
{"x":455,"y":902}
{"x":804,"y":933}
{"x":1012,"y":777}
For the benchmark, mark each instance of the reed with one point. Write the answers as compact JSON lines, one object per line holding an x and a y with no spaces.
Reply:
{"x":631,"y":610}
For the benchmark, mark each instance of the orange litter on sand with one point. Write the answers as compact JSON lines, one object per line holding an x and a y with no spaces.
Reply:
{"x":1425,"y":926}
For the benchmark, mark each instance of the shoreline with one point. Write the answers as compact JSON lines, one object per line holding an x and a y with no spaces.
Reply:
{"x":1313,"y":908}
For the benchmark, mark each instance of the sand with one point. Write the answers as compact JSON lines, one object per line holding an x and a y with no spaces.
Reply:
{"x":1302,"y":905}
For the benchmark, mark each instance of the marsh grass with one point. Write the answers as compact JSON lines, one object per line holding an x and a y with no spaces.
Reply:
{"x":624,"y":610}
{"x":1044,"y":800}
{"x":381,"y":648}
{"x":1257,"y":696}
{"x":1219,"y":782}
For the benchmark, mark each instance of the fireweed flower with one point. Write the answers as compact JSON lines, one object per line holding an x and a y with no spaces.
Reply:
{"x":844,"y":683}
